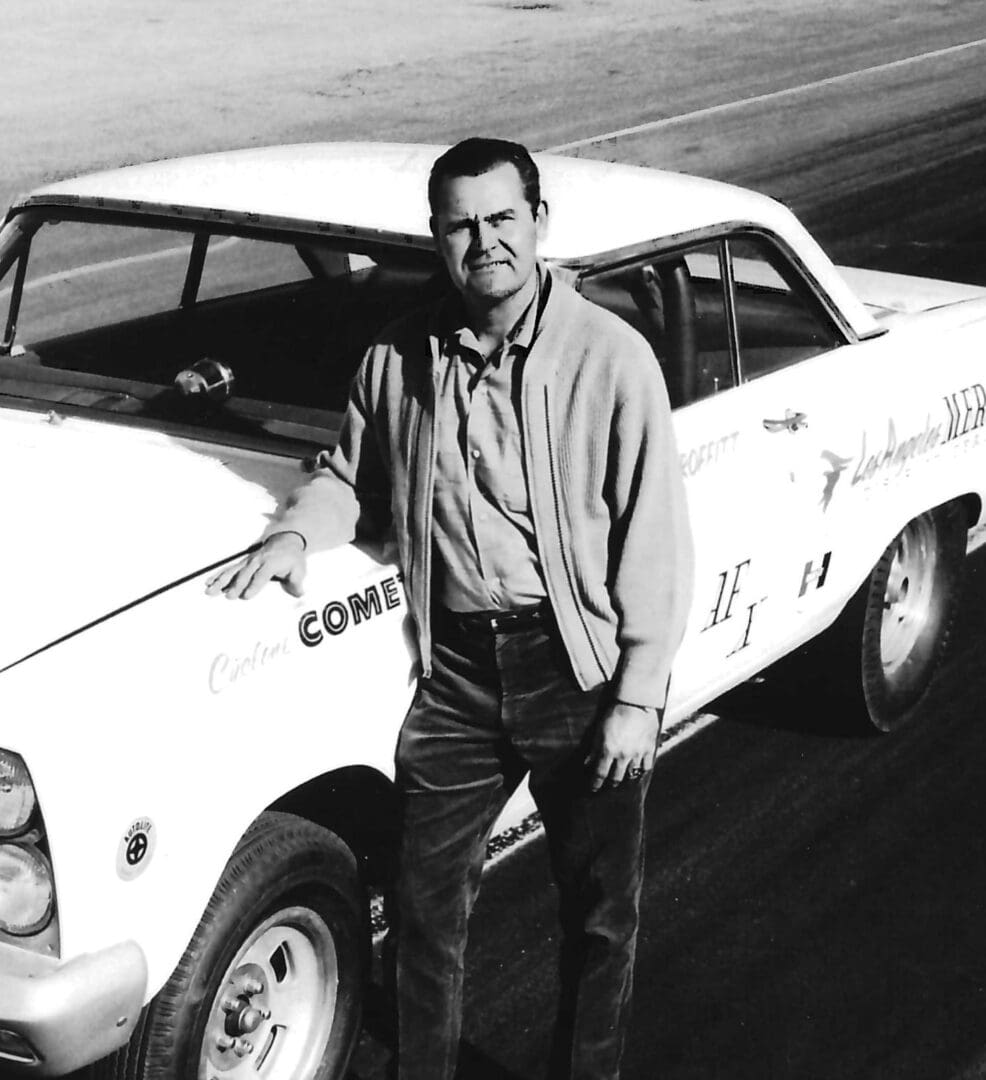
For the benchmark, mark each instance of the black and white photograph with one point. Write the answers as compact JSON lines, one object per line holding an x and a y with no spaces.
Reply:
{"x":493,"y":504}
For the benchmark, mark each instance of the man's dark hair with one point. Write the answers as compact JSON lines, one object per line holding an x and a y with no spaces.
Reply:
{"x":473,"y":157}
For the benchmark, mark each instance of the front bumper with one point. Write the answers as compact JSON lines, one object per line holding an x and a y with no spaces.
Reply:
{"x":56,"y":1017}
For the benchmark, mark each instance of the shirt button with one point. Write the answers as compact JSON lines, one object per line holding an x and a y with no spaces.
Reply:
{"x":474,"y":454}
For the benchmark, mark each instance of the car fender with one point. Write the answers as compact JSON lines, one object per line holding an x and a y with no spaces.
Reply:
{"x":152,"y":781}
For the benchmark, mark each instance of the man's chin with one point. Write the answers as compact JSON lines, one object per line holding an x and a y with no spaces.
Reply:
{"x":492,"y":296}
{"x":490,"y":290}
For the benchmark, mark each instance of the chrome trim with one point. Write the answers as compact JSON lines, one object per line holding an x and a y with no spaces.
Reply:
{"x":729,"y":300}
{"x":72,"y":1013}
{"x":210,"y":216}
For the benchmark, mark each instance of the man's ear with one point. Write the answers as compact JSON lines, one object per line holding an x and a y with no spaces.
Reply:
{"x":541,"y":219}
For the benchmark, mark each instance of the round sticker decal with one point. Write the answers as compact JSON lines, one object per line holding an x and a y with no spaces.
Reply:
{"x":135,"y":849}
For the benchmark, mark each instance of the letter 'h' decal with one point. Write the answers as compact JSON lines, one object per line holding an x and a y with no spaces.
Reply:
{"x":813,"y":576}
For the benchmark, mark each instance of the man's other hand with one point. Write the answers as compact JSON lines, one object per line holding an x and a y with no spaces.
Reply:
{"x":625,"y":745}
{"x":281,"y":558}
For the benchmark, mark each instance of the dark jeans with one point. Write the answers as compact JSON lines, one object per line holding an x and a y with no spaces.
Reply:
{"x":498,"y":705}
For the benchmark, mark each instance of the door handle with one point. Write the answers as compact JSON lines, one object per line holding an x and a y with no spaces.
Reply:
{"x":793,"y":421}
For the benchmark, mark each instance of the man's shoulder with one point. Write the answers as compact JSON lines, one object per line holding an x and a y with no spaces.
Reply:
{"x":399,"y":357}
{"x":598,"y":327}
{"x":409,"y":330}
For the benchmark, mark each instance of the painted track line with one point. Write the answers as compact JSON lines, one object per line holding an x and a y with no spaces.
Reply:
{"x":773,"y":95}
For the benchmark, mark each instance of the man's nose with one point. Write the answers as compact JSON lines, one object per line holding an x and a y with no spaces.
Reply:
{"x":484,"y":236}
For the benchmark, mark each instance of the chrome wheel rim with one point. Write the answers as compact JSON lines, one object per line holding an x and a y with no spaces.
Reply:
{"x":274,"y":1011}
{"x":908,"y":597}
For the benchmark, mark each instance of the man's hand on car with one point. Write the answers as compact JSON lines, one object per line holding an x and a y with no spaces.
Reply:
{"x":280,"y":558}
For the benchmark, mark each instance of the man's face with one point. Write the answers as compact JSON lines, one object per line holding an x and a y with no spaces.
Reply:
{"x":487,"y":234}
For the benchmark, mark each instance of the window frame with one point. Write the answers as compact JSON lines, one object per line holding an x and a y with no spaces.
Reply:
{"x":802,"y":291}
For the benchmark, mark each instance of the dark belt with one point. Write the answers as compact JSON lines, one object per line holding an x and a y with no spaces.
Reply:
{"x":494,"y":622}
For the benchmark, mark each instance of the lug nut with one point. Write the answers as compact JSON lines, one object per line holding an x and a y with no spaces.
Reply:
{"x":252,"y":986}
{"x":250,"y":1020}
{"x":242,"y":1047}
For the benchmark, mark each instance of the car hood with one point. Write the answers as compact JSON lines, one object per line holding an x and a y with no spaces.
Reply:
{"x":98,"y":516}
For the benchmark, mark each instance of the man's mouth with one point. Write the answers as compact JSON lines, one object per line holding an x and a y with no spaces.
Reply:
{"x":492,"y":264}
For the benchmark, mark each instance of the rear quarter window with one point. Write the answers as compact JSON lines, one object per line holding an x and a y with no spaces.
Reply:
{"x":83,"y":275}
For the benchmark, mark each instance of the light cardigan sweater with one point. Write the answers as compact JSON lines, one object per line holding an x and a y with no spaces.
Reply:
{"x":607,"y":496}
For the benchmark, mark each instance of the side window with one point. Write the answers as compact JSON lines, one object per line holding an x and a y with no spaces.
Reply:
{"x":82,"y":275}
{"x":779,"y":321}
{"x":677,"y":302}
{"x":116,"y":317}
{"x":713,"y":368}
{"x":236,"y":264}
{"x":718,"y":313}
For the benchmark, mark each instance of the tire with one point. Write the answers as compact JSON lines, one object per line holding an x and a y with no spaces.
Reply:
{"x":904,"y":613}
{"x":277,"y":963}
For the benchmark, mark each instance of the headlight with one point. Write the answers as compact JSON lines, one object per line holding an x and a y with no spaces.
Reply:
{"x":26,"y":892}
{"x":17,"y":799}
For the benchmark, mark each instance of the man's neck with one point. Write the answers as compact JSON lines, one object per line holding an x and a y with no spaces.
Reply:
{"x":491,"y":324}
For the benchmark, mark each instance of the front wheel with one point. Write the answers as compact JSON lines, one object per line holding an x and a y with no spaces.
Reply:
{"x":905,"y":613}
{"x":271,"y":984}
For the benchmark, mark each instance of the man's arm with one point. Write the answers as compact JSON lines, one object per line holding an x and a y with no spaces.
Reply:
{"x":324,"y":513}
{"x":653,"y":556}
{"x":652,"y":580}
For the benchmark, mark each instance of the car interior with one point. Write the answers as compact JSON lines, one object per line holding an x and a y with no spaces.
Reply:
{"x":290,"y":349}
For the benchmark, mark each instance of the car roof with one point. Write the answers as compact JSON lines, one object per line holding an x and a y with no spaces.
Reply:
{"x":378,"y":190}
{"x":382,"y":187}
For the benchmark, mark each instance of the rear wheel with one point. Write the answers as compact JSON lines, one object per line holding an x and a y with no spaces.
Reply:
{"x":271,"y":984}
{"x":904,"y":613}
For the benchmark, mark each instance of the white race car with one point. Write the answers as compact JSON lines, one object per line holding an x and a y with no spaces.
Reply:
{"x":195,"y":796}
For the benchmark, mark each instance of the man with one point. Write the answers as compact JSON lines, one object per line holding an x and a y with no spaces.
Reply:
{"x":519,"y":440}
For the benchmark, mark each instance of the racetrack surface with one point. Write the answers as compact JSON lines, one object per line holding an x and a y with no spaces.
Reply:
{"x":814,"y":900}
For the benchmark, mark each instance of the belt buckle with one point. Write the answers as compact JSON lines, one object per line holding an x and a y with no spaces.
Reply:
{"x":505,"y":620}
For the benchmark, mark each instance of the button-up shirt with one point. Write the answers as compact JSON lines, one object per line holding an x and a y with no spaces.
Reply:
{"x":485,"y":554}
